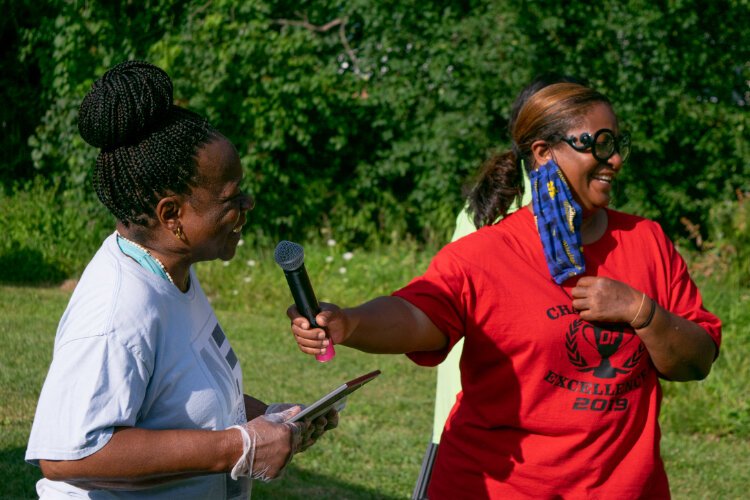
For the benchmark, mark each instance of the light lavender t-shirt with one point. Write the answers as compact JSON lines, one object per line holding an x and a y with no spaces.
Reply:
{"x":132,"y":350}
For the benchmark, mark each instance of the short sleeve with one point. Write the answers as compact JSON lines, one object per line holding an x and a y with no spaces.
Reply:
{"x":439,"y":293}
{"x":94,"y":384}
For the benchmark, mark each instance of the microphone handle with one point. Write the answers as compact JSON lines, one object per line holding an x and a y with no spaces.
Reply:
{"x":307,"y":304}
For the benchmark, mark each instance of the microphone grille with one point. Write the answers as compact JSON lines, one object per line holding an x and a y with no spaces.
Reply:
{"x":289,"y":255}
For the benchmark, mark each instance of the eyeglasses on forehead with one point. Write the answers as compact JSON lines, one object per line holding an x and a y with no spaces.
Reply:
{"x":603,"y":144}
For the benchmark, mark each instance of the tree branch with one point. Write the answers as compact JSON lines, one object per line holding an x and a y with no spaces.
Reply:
{"x":348,"y":48}
{"x":309,"y":26}
{"x":341,"y":23}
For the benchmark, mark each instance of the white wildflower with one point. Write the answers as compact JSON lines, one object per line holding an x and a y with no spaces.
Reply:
{"x":331,"y":242}
{"x":329,"y":259}
{"x":347,"y":256}
{"x":342,"y":270}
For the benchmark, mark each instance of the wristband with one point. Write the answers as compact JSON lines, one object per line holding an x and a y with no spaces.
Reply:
{"x":650,"y":317}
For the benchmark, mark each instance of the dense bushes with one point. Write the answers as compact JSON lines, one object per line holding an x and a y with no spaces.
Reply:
{"x":728,"y":249}
{"x":47,"y":235}
{"x":366,"y":117}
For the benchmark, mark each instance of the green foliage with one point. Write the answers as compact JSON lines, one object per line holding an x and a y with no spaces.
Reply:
{"x":47,"y":235}
{"x":718,"y":405}
{"x":725,"y":255}
{"x":19,"y":86}
{"x":367,"y":117}
{"x":730,"y":238}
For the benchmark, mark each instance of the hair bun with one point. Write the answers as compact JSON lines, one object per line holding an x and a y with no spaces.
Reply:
{"x":127,"y":100}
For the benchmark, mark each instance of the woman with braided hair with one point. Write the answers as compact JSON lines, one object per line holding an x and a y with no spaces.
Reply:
{"x":571,"y":313}
{"x":144,"y":397}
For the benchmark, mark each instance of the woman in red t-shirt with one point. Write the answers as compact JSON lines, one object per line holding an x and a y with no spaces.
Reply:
{"x":570,"y":313}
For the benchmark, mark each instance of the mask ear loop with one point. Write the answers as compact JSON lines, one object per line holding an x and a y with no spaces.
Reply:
{"x":559,"y":169}
{"x":554,"y":157}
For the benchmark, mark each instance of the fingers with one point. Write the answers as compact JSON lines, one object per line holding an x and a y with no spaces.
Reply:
{"x":303,"y":433}
{"x":322,"y":318}
{"x":292,"y":312}
{"x":585,"y":286}
{"x":317,"y":428}
{"x":309,"y":340}
{"x":324,"y":423}
{"x":312,"y":340}
{"x":277,"y":442}
{"x":332,"y":419}
{"x":581,"y":304}
{"x":604,"y":299}
{"x":283,"y":416}
{"x":279,"y":407}
{"x":585,"y":281}
{"x":586,"y":315}
{"x":298,"y":430}
{"x":593,"y":288}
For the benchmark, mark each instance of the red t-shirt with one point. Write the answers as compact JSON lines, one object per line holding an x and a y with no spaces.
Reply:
{"x":552,"y":406}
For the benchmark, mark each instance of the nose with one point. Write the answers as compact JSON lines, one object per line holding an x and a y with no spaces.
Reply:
{"x":615,"y":161}
{"x":248,"y":203}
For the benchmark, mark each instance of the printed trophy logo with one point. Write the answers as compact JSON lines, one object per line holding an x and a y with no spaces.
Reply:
{"x":606,"y":340}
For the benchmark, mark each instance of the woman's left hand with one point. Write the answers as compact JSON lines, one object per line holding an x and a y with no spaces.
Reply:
{"x":316,"y":428}
{"x":680,"y":349}
{"x":605,"y":300}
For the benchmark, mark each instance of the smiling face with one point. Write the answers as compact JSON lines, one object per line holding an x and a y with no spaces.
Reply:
{"x":589,"y":179}
{"x":214,"y":212}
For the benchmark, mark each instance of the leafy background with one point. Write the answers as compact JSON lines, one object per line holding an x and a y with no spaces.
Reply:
{"x":366,"y":118}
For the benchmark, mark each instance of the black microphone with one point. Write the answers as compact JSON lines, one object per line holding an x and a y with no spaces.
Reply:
{"x":291,"y":258}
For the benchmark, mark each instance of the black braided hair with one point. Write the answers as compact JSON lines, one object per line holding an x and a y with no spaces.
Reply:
{"x":148,"y":145}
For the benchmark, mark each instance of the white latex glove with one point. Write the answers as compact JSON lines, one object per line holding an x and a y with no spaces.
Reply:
{"x":280,"y":407}
{"x":268,"y":444}
{"x":317,"y":427}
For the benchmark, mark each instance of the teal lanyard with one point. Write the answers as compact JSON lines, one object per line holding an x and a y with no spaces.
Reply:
{"x":143,"y":258}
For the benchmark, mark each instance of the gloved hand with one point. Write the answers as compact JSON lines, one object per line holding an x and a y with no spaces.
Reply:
{"x":280,"y":407}
{"x":317,"y":426}
{"x":268,"y":444}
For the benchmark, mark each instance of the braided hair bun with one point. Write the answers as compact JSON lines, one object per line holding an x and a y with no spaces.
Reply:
{"x":123,"y":103}
{"x":148,"y":145}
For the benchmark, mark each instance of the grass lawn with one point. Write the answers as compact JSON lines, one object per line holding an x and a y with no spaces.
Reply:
{"x":377,"y":449}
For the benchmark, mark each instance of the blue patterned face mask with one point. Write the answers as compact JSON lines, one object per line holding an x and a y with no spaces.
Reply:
{"x":558,"y":219}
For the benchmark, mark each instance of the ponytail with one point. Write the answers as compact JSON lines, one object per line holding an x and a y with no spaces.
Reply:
{"x":499,"y":184}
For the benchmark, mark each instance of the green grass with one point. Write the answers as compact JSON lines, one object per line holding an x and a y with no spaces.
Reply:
{"x":377,"y":449}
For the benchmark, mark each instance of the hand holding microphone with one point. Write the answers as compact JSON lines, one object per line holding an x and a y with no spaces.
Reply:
{"x":291,"y":258}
